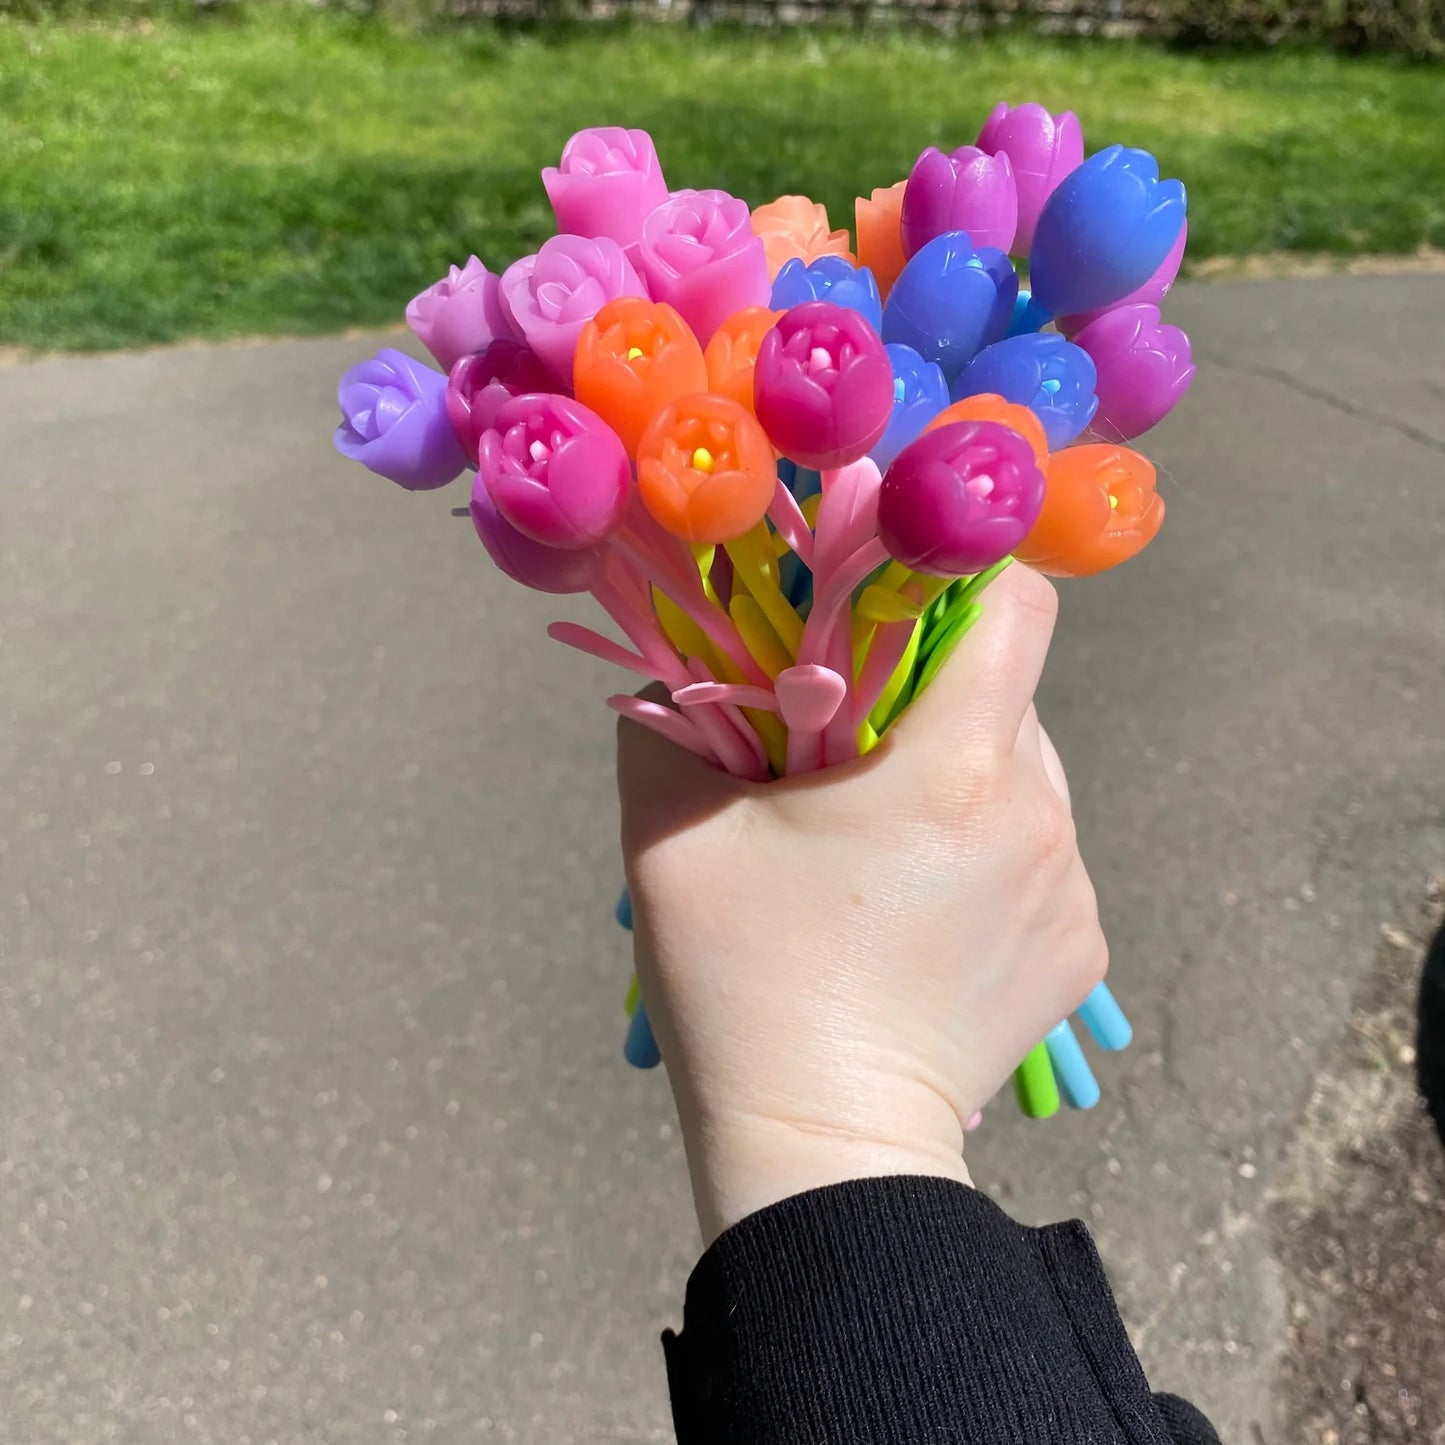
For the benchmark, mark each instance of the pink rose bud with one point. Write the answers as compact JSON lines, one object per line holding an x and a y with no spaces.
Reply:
{"x":823,"y":385}
{"x":608,"y":181}
{"x":1043,"y":149}
{"x":969,"y":190}
{"x":478,"y":385}
{"x":699,"y":254}
{"x":459,"y":314}
{"x":548,"y":569}
{"x":551,"y":296}
{"x":1155,"y":289}
{"x":1144,"y":368}
{"x":556,"y":471}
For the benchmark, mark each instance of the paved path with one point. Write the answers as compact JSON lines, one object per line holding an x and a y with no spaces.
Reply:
{"x":313,"y":1123}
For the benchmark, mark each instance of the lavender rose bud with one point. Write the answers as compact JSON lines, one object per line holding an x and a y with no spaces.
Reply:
{"x":394,"y":421}
{"x":459,"y":314}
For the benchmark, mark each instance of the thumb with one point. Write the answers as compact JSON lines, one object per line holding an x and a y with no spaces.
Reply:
{"x":663,"y":789}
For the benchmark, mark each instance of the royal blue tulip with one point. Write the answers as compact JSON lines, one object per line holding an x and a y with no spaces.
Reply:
{"x":1104,"y":231}
{"x":950,"y":301}
{"x":1029,"y":316}
{"x":829,"y":278}
{"x":919,"y":394}
{"x":1051,"y":376}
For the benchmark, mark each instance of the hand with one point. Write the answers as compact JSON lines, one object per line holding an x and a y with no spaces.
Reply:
{"x":841,"y":968}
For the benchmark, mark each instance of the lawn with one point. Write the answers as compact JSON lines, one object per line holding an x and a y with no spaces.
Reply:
{"x":280,"y":175}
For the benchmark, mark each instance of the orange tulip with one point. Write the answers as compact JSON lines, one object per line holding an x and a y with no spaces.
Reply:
{"x":880,"y":234}
{"x":1100,"y":508}
{"x":706,"y":470}
{"x":733,"y":351}
{"x":988,"y":407}
{"x":633,"y":358}
{"x":796,"y":226}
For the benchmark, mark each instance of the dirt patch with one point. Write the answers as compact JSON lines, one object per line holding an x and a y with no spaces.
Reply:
{"x":1427,"y":261}
{"x":1358,"y":1217}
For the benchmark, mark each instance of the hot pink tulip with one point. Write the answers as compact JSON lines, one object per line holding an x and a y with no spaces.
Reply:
{"x":480,"y":384}
{"x":1043,"y":148}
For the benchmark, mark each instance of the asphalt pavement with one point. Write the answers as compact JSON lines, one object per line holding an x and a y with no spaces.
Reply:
{"x":313,"y":1125}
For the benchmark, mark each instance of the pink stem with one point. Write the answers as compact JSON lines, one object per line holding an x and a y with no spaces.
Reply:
{"x":584,"y":639}
{"x":787,"y":516}
{"x":663,"y":720}
{"x":733,"y":692}
{"x":833,"y":594}
{"x":840,"y":737}
{"x":885,"y":652}
{"x":745,"y":731}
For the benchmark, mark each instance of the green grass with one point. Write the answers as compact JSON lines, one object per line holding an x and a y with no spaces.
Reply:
{"x":275,"y":175}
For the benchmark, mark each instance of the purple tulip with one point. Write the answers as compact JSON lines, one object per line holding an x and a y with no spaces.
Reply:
{"x":960,"y":498}
{"x":700,"y":256}
{"x":551,"y":296}
{"x":823,"y":385}
{"x":478,"y":385}
{"x":607,"y":183}
{"x":1044,"y":148}
{"x":969,"y":190}
{"x":547,"y":569}
{"x":1144,"y":368}
{"x":1155,"y":289}
{"x":459,"y":314}
{"x":557,"y":472}
{"x":394,"y":421}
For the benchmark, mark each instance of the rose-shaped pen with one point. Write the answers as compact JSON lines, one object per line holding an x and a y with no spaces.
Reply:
{"x":478,"y":385}
{"x":1143,"y":369}
{"x":549,"y":297}
{"x":394,"y":422}
{"x":1051,"y":376}
{"x":556,"y":471}
{"x":879,"y":219}
{"x":460,"y":314}
{"x":796,"y":228}
{"x":559,"y":570}
{"x":951,"y":301}
{"x":920,"y":393}
{"x":1100,"y":509}
{"x":607,"y":183}
{"x":733,"y":352}
{"x":632,"y":359}
{"x":830,"y":278}
{"x":823,"y":385}
{"x":960,"y":499}
{"x":1042,"y":148}
{"x":969,"y":190}
{"x":1104,"y":231}
{"x":699,"y":254}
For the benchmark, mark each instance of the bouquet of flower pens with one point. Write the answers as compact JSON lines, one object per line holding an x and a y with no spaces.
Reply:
{"x":787,"y":469}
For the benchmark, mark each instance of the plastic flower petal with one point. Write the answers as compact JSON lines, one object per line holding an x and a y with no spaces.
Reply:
{"x":880,"y":235}
{"x":547,"y":569}
{"x":460,"y":314}
{"x":478,"y":385}
{"x":968,"y":190}
{"x":733,"y":352}
{"x":830,"y":278}
{"x":1051,"y":376}
{"x":1043,"y":149}
{"x":394,"y":421}
{"x":795,"y":227}
{"x":1143,"y":367}
{"x":920,"y":393}
{"x":607,"y":183}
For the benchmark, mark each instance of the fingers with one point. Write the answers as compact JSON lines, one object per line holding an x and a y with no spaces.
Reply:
{"x":984,"y":692}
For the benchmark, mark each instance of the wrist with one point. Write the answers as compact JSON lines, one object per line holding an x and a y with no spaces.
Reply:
{"x":744,"y":1164}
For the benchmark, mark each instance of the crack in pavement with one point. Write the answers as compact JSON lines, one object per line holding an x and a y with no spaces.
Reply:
{"x":1329,"y":399}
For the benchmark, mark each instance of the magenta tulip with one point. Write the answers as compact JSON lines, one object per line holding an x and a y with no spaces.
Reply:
{"x":547,"y":569}
{"x":480,"y":384}
{"x":700,"y":255}
{"x":823,"y":385}
{"x":960,"y":498}
{"x":1155,"y":289}
{"x":1144,"y":368}
{"x":551,"y":296}
{"x":969,"y":190}
{"x":608,"y":181}
{"x":459,"y":314}
{"x":1043,"y":148}
{"x":557,"y":472}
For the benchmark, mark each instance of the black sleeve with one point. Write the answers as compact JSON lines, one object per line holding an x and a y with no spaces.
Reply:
{"x":909,"y":1311}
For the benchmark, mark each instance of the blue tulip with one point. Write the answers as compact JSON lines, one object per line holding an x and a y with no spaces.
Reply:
{"x":829,"y":278}
{"x":1104,"y":231}
{"x":951,"y":300}
{"x":919,"y":394}
{"x":1042,"y":371}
